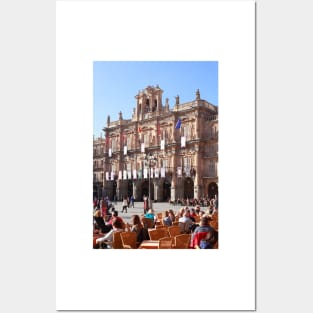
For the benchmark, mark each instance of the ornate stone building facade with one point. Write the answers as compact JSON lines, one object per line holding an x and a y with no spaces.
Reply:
{"x":175,"y":151}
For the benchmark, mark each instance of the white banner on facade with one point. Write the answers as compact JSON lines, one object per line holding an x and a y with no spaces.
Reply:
{"x":142,"y":147}
{"x":125,"y":150}
{"x":120,"y":175}
{"x":156,"y":173}
{"x":145,"y":173}
{"x":129,"y":174}
{"x":179,"y":171}
{"x":112,"y":175}
{"x":125,"y":174}
{"x":162,"y":144}
{"x":183,"y":141}
{"x":110,"y":152}
{"x":162,"y":172}
{"x":106,"y":175}
{"x":188,"y":171}
{"x":134,"y":174}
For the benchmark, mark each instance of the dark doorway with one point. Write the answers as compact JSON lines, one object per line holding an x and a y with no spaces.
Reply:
{"x":114,"y":196}
{"x":144,"y":189}
{"x":166,"y":190}
{"x":212,"y":189}
{"x":188,"y":188}
{"x":130,"y":188}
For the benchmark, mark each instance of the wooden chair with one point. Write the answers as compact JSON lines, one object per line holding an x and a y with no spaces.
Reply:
{"x":160,"y":216}
{"x":182,"y":241}
{"x":197,"y":219}
{"x":214,"y":224}
{"x":174,"y":231}
{"x":127,"y":227}
{"x":176,"y":223}
{"x":161,"y":226}
{"x":182,"y":227}
{"x":147,"y":222}
{"x":129,"y":240}
{"x":117,"y":240}
{"x":165,"y":243}
{"x":156,"y":234}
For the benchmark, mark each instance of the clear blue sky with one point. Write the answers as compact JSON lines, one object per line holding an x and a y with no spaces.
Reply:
{"x":117,"y":83}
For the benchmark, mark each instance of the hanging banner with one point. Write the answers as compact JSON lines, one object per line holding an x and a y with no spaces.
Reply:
{"x":120,"y":175}
{"x":156,"y":173}
{"x":112,"y":175}
{"x":125,"y":150}
{"x":183,"y":141}
{"x":145,"y":173}
{"x":179,"y":171}
{"x":188,"y":171}
{"x":151,"y":172}
{"x":124,"y":174}
{"x":134,"y":174}
{"x":142,"y":147}
{"x":106,"y":175}
{"x":129,"y":174}
{"x":162,"y":144}
{"x":162,"y":172}
{"x":110,"y":152}
{"x":139,"y":174}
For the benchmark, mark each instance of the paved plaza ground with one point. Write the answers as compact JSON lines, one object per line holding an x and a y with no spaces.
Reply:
{"x":138,"y":209}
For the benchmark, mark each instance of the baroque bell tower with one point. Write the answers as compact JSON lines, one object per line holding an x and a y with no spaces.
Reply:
{"x":149,"y":100}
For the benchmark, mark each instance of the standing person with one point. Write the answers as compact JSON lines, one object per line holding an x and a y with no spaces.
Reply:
{"x":124,"y":205}
{"x":145,"y":204}
{"x":132,"y":201}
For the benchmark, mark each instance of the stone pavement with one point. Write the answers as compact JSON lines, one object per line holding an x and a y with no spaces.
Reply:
{"x":138,"y":209}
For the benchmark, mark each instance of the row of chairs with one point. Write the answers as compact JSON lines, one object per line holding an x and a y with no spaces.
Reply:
{"x":128,"y":240}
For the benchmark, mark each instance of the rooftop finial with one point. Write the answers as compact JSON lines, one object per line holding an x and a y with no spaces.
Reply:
{"x":197,"y":94}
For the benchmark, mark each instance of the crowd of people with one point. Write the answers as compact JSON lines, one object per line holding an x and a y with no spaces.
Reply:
{"x":200,"y":222}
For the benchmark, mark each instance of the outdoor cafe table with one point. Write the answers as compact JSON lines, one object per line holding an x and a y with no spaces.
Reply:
{"x":149,"y":244}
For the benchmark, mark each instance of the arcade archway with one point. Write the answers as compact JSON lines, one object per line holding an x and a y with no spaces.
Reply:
{"x":212,"y":189}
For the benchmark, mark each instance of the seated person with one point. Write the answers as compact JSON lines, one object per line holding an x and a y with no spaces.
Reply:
{"x":167,"y":221}
{"x":117,"y":226}
{"x":208,"y":241}
{"x":187,"y":222}
{"x":151,"y":215}
{"x":142,"y":233}
{"x":100,"y":224}
{"x":171,"y":214}
{"x":204,"y":228}
{"x":115,"y":217}
{"x":193,"y":214}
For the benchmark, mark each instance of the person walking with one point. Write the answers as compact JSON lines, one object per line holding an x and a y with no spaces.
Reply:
{"x":124,"y":205}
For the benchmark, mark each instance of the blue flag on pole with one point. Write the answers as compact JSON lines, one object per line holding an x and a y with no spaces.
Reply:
{"x":177,"y":126}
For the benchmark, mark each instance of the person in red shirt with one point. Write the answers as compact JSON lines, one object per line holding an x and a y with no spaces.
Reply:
{"x":115,"y":217}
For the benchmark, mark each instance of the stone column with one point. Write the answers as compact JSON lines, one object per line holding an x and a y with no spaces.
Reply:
{"x":118,"y":189}
{"x":156,"y":191}
{"x":197,"y":179}
{"x":135,"y":190}
{"x":173,"y":188}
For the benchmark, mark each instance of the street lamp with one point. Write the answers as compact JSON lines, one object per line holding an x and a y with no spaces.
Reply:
{"x":151,"y":159}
